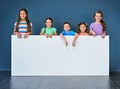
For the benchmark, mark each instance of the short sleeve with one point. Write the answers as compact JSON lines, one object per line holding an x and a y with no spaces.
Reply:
{"x":31,"y":24}
{"x":55,"y":30}
{"x":15,"y":24}
{"x":91,"y":27}
{"x":73,"y":33}
{"x":43,"y":30}
{"x":63,"y":32}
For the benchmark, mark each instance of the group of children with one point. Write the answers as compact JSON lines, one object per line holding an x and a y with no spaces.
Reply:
{"x":23,"y":27}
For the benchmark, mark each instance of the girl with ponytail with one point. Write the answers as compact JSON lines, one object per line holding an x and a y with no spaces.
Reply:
{"x":99,"y":26}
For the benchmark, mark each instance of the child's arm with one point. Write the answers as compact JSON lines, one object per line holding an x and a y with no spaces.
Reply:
{"x":65,"y":40}
{"x":41,"y":33}
{"x":16,"y":33}
{"x":28,"y":33}
{"x":92,"y":32}
{"x":104,"y":33}
{"x":55,"y":34}
{"x":74,"y":39}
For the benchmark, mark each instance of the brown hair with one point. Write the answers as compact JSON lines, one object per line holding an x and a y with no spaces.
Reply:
{"x":27,"y":20}
{"x":78,"y":27}
{"x":102,"y":21}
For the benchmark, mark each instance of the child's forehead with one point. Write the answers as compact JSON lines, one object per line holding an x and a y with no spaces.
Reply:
{"x":66,"y":24}
{"x":48,"y":20}
{"x":82,"y":25}
{"x":22,"y":11}
{"x":98,"y":14}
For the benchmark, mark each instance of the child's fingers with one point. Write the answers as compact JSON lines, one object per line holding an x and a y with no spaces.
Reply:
{"x":103,"y":36}
{"x":73,"y":44}
{"x":25,"y":36}
{"x":94,"y":35}
{"x":46,"y":36}
{"x":50,"y":36}
{"x":19,"y":36}
{"x":66,"y":43}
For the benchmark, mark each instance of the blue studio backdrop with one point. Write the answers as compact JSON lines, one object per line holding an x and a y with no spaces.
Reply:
{"x":73,"y":11}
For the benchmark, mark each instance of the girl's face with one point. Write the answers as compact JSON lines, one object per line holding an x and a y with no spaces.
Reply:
{"x":82,"y":27}
{"x":23,"y":15}
{"x":48,"y":23}
{"x":98,"y":17}
{"x":67,"y":27}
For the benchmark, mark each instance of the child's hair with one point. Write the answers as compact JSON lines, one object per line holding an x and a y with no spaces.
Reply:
{"x":102,"y":21}
{"x":27,"y":20}
{"x":67,"y":23}
{"x":78,"y":27}
{"x":49,"y":18}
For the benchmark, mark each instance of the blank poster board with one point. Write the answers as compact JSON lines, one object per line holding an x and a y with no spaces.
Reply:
{"x":41,"y":56}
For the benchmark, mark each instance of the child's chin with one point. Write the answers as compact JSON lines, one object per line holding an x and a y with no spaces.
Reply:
{"x":23,"y":18}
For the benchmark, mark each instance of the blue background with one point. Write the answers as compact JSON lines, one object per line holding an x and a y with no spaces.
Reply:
{"x":73,"y":11}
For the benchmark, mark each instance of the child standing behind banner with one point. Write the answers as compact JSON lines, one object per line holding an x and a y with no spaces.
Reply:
{"x":67,"y":32}
{"x":48,"y":30}
{"x":81,"y":31}
{"x":98,"y":27}
{"x":23,"y":26}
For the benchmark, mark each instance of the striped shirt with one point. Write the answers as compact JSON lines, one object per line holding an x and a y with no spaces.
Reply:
{"x":22,"y":27}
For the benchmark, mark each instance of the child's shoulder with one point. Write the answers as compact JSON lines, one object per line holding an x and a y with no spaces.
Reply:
{"x":43,"y":28}
{"x":53,"y":27}
{"x":63,"y":32}
{"x":15,"y":23}
{"x":72,"y":30}
{"x":92,"y":23}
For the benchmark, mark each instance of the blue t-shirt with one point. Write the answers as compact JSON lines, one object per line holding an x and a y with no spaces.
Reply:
{"x":69,"y":33}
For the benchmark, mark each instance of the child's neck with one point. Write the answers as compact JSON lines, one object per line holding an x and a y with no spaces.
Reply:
{"x":48,"y":27}
{"x":98,"y":22}
{"x":82,"y":32}
{"x":23,"y":20}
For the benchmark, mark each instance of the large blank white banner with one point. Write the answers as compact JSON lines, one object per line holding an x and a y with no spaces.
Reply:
{"x":38,"y":55}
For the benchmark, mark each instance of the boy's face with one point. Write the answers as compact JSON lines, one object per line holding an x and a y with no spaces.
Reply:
{"x":48,"y":23}
{"x":67,"y":27}
{"x":23,"y":15}
{"x":82,"y":28}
